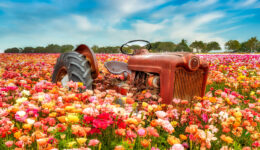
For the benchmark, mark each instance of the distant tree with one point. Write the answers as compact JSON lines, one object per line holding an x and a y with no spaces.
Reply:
{"x":12,"y":50}
{"x":66,"y":48}
{"x":95,"y":48}
{"x":166,"y":46}
{"x":183,"y":47}
{"x":213,"y":46}
{"x":198,"y":46}
{"x":163,"y":46}
{"x":39,"y":49}
{"x":258,"y":46}
{"x":28,"y":50}
{"x":251,"y":43}
{"x":52,"y":48}
{"x":232,"y":45}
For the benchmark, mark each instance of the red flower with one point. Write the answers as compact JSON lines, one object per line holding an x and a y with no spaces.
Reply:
{"x":88,"y":119}
{"x":98,"y":123}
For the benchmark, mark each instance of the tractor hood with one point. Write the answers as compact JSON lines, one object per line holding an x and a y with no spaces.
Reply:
{"x":156,"y":62}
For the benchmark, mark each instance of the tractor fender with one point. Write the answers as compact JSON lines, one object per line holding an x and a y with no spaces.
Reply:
{"x":91,"y":57}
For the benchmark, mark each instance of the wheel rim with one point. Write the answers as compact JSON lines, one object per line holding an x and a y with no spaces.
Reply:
{"x":63,"y":76}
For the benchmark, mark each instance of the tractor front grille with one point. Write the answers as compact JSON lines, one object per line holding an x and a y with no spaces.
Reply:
{"x":187,"y":84}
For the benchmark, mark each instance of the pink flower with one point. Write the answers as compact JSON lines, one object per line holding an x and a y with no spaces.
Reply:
{"x":21,"y":116}
{"x":223,"y":94}
{"x":176,"y":101}
{"x":141,"y":132}
{"x":204,"y":117}
{"x":148,"y":95}
{"x":177,"y":147}
{"x":246,"y":148}
{"x":37,"y":124}
{"x":153,"y":148}
{"x":130,"y":134}
{"x":93,"y":142}
{"x":19,"y":144}
{"x":9,"y":143}
{"x":160,"y":114}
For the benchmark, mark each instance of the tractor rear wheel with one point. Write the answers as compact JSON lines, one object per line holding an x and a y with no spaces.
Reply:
{"x":72,"y":66}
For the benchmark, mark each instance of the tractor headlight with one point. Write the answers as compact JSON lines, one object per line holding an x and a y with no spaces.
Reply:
{"x":194,"y":63}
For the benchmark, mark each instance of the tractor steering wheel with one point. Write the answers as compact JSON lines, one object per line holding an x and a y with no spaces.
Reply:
{"x":130,"y":47}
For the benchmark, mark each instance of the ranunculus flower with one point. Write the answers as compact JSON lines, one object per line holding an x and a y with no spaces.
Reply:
{"x":93,"y":142}
{"x":21,"y":116}
{"x":160,"y":114}
{"x":177,"y":147}
{"x":141,"y":132}
{"x":9,"y":144}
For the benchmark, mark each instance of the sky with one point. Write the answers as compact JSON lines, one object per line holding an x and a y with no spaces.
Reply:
{"x":114,"y":22}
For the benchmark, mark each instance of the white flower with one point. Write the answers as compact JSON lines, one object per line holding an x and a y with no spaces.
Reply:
{"x":25,"y":93}
{"x":21,"y":113}
{"x":223,"y":116}
{"x":30,"y":121}
{"x":21,"y":100}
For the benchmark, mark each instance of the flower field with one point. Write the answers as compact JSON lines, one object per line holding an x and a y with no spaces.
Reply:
{"x":37,"y":114}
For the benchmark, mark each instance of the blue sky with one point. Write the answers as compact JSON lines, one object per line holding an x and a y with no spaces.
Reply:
{"x":113,"y":22}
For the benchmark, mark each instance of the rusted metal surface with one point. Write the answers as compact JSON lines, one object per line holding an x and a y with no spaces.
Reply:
{"x":117,"y":67}
{"x":168,"y":65}
{"x":61,"y":73}
{"x":187,"y":84}
{"x":91,"y":57}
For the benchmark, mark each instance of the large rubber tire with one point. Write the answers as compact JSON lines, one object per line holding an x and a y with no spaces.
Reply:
{"x":76,"y":66}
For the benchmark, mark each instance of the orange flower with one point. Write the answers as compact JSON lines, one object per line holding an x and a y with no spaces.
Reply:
{"x":42,"y":141}
{"x":153,"y":123}
{"x":145,"y":143}
{"x":62,"y":119}
{"x":183,"y":137}
{"x":226,"y":130}
{"x":129,"y":100}
{"x":226,"y":139}
{"x":119,"y":148}
{"x":192,"y":129}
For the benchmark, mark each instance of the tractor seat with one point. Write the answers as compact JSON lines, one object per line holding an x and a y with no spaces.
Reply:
{"x":117,"y":67}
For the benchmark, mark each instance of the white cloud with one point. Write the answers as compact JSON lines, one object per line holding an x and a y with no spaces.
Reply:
{"x":83,"y":23}
{"x":245,"y":4}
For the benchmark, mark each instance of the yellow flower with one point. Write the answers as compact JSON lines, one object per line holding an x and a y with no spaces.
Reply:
{"x":53,"y":114}
{"x":238,"y":114}
{"x":173,"y":140}
{"x":27,"y":126}
{"x":49,"y":105}
{"x":80,"y":84}
{"x":71,"y":144}
{"x":150,"y":108}
{"x":144,"y":104}
{"x":81,"y":140}
{"x":72,"y":118}
{"x":174,"y":123}
{"x":132,"y":121}
{"x":17,"y":134}
{"x":69,"y":108}
{"x":252,"y":93}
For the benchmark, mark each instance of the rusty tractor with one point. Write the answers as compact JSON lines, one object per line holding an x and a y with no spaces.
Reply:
{"x":179,"y":75}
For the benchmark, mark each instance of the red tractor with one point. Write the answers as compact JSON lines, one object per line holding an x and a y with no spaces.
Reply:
{"x":179,"y":75}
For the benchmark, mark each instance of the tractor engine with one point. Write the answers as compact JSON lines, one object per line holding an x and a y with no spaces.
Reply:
{"x":176,"y":75}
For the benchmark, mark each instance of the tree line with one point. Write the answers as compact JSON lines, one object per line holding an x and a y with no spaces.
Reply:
{"x":251,"y":45}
